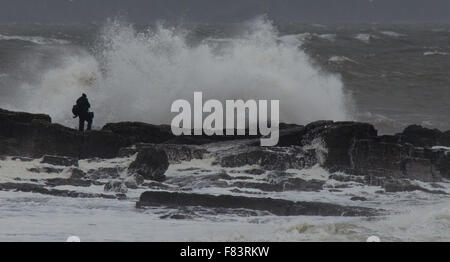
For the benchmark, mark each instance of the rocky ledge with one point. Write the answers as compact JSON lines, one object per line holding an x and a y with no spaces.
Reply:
{"x":349,"y":151}
{"x":277,"y":207}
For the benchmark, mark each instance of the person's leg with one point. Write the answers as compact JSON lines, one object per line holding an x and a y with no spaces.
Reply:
{"x":81,"y":124}
{"x":89,"y":126}
{"x":89,"y":119}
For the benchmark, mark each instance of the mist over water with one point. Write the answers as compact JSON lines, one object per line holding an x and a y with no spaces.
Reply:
{"x":136,"y":75}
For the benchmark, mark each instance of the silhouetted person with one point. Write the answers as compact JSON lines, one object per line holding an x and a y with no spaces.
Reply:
{"x":81,"y":110}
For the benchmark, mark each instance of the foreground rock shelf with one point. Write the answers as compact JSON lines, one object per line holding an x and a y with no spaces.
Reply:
{"x":277,"y":207}
{"x":347,"y":146}
{"x":349,"y":152}
{"x":34,"y":188}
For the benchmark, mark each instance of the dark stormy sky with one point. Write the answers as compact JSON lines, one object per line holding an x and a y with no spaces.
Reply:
{"x":145,"y":11}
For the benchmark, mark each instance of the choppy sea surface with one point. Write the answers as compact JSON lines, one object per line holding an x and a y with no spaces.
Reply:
{"x":388,"y":75}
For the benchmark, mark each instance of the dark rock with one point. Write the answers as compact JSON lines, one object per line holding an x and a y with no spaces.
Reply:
{"x":67,"y":182}
{"x":116,"y":186}
{"x":255,"y":171}
{"x":441,"y":160}
{"x":374,"y":158}
{"x":48,"y":170}
{"x":175,"y":153}
{"x":38,"y":139}
{"x":421,"y":169}
{"x":121,"y":196}
{"x":101,"y":144}
{"x":178,"y":153}
{"x":406,"y":186}
{"x":139,"y":179}
{"x":275,"y":206}
{"x":77,"y":173}
{"x":35,"y":188}
{"x":127,"y":151}
{"x":215,"y":177}
{"x":204,"y":139}
{"x":151,"y":164}
{"x":280,"y":181}
{"x":59,"y":161}
{"x":34,"y":136}
{"x":420,"y":136}
{"x":338,"y":138}
{"x":135,"y":132}
{"x":188,"y":169}
{"x":371,"y":157}
{"x":268,"y":158}
{"x":445,"y":139}
{"x":289,"y":184}
{"x":22,"y":117}
{"x":105,"y":173}
{"x":298,"y":184}
{"x":390,"y":139}
{"x":291,"y":136}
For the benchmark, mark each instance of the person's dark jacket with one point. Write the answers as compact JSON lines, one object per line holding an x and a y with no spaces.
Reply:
{"x":83,"y":106}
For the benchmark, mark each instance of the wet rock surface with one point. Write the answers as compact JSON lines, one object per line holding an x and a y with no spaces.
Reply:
{"x":116,"y":186}
{"x":135,"y":132}
{"x":175,"y":153}
{"x":59,"y":161}
{"x":40,"y":189}
{"x":105,"y":173}
{"x":277,"y":207}
{"x":151,"y":164}
{"x":268,"y":158}
{"x":68,"y":182}
{"x":124,"y":157}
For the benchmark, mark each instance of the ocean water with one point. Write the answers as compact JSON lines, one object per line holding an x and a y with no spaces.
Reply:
{"x":388,"y":75}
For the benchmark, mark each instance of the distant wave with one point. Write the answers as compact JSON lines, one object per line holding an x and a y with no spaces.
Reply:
{"x":303,"y":37}
{"x":329,"y":37}
{"x":432,"y":53}
{"x":391,"y":34}
{"x":34,"y":39}
{"x":366,"y":38}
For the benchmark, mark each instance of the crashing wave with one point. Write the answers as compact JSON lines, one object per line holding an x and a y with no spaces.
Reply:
{"x":136,"y":75}
{"x":34,"y":39}
{"x":433,"y":53}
